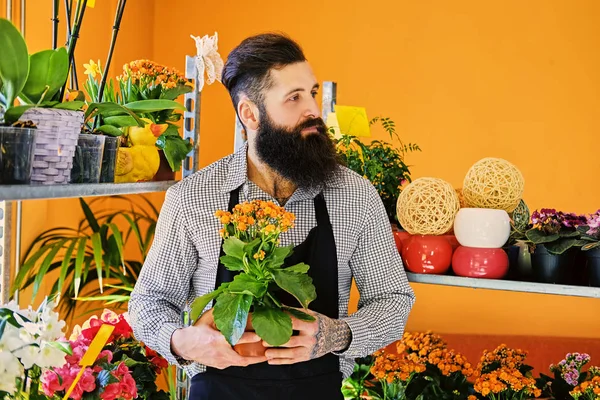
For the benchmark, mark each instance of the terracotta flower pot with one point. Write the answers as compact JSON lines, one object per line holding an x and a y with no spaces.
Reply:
{"x":250,"y":349}
{"x":427,"y":254}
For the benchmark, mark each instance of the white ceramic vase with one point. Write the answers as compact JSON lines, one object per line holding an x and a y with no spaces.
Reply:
{"x":482,"y":227}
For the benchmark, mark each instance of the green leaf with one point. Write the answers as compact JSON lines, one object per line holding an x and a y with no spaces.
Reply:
{"x":298,"y":268}
{"x":537,"y":236}
{"x":279,"y":255}
{"x":119,"y":241}
{"x":298,"y":285}
{"x":109,"y":130}
{"x":231,"y":315}
{"x":569,"y":233}
{"x":301,"y":315}
{"x":175,"y":149}
{"x":45,"y":265}
{"x":48,"y":71}
{"x":74,"y":105}
{"x":560,"y":246}
{"x":172,"y":130}
{"x":89,"y":215}
{"x":232,"y":263}
{"x":97,"y":246}
{"x":65,"y":347}
{"x":14,"y":63}
{"x":64,"y":268}
{"x":234,"y":247}
{"x":247,"y":284}
{"x":28,"y":265}
{"x":153,"y":105}
{"x":121,"y":121}
{"x":200,"y":303}
{"x":272,"y":324}
{"x":13,"y":114}
{"x":252,"y":247}
{"x":109,"y":109}
{"x":173,"y":93}
{"x":590,"y":246}
{"x":79,"y":264}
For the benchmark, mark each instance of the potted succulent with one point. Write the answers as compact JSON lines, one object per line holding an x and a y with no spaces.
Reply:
{"x":250,"y":242}
{"x":516,"y":246}
{"x":590,"y":234}
{"x":553,"y":239}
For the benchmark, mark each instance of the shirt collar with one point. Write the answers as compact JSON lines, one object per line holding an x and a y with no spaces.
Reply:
{"x":237,"y":174}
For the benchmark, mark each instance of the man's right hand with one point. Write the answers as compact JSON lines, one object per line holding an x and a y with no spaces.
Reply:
{"x":203,"y":343}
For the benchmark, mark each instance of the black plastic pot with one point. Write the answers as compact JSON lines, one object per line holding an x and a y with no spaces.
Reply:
{"x":552,"y":268}
{"x":87,"y":160}
{"x":593,"y":266}
{"x":109,"y":159}
{"x":16,"y":155}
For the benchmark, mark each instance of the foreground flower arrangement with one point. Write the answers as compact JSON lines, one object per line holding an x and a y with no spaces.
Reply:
{"x":125,"y":369}
{"x":424,"y":368}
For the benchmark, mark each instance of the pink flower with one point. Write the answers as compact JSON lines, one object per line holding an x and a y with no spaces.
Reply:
{"x":105,"y":354}
{"x":128,"y":387}
{"x":121,"y":370}
{"x":51,"y":383}
{"x":111,"y":392}
{"x":87,"y":381}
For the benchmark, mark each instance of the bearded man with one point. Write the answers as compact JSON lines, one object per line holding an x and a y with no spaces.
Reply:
{"x":341,"y":231}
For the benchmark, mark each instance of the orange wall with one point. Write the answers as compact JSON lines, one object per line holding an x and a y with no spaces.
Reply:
{"x":463,"y":79}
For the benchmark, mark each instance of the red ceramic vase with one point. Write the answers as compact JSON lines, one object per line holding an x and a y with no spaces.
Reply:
{"x":399,"y":238}
{"x":475,"y":262}
{"x":427,"y":254}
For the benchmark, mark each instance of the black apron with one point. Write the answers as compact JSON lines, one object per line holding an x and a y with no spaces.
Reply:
{"x":314,"y":379}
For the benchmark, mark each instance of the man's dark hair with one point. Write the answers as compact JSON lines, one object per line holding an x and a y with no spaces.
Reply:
{"x":248,"y":66}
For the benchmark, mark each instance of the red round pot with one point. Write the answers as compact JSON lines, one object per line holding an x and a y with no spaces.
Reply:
{"x":427,"y":254}
{"x":452,"y":240}
{"x":400,"y":237}
{"x":476,"y":262}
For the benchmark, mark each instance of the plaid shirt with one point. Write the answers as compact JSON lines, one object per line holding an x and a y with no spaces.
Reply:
{"x":182,"y":262}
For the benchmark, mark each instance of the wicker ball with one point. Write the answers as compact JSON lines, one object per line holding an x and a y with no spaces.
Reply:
{"x":493,"y":183}
{"x":427,"y":206}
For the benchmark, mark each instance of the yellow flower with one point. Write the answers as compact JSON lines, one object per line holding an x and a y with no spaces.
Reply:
{"x":92,"y":69}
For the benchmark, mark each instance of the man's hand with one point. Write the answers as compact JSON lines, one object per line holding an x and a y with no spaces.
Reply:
{"x":315,"y":339}
{"x":203,"y":343}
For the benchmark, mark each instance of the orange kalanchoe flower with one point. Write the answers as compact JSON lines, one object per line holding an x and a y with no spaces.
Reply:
{"x":256,"y":217}
{"x":508,"y":381}
{"x":149,"y":73}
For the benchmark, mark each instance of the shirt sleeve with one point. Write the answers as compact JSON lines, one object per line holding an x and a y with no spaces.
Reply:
{"x":386,"y":298}
{"x":162,"y":289}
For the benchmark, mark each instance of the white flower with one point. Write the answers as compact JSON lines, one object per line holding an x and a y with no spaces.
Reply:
{"x":28,"y":355}
{"x":50,"y":356}
{"x":51,"y":327}
{"x":208,"y":59}
{"x":10,"y":369}
{"x":10,"y":339}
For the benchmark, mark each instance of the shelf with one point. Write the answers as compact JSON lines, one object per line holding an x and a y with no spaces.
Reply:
{"x":33,"y":192}
{"x":511,"y":286}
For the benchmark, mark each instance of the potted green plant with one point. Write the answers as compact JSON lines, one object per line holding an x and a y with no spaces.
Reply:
{"x":553,"y":239}
{"x":380,"y":162}
{"x":590,"y":234}
{"x":38,"y":81}
{"x":251,"y":236}
{"x":516,"y":246}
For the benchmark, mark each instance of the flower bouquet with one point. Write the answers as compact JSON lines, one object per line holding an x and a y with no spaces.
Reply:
{"x":503,"y":375}
{"x":589,"y":389}
{"x":251,"y":245}
{"x":125,"y":368}
{"x":30,"y":342}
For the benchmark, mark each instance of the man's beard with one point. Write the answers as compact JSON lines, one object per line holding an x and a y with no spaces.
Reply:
{"x":307,"y":160}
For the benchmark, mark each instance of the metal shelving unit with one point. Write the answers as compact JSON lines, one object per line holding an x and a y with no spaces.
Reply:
{"x":504,"y":285}
{"x":27,"y":192}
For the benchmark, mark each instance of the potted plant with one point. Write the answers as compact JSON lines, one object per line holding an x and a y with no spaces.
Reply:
{"x":588,"y":389}
{"x":553,"y":239}
{"x":590,"y":234}
{"x":124,"y":369}
{"x":516,"y":246}
{"x":567,"y":374}
{"x":380,"y":162}
{"x":503,"y":375}
{"x":250,"y":242}
{"x":38,"y":81}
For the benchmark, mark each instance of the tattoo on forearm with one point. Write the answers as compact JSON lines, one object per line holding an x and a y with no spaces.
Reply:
{"x":332,"y":335}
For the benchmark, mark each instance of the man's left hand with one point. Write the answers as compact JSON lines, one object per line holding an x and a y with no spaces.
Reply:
{"x":315,"y":339}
